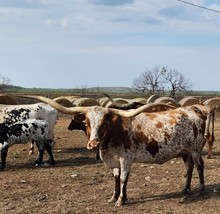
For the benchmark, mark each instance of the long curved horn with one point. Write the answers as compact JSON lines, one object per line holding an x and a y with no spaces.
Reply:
{"x":213,"y":102}
{"x":117,"y":105}
{"x":150,"y":107}
{"x":54,"y":104}
{"x":108,"y":97}
{"x":71,"y":110}
{"x":152,"y":98}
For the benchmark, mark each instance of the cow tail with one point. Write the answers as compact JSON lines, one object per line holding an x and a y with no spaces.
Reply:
{"x":213,"y":124}
{"x":210,"y":138}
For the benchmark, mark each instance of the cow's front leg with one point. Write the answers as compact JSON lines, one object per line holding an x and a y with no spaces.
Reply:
{"x":4,"y":153}
{"x":125,"y":170}
{"x":39,"y":160}
{"x":116,"y":192}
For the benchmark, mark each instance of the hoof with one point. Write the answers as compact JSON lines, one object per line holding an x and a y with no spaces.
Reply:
{"x":112,"y":200}
{"x":119,"y":203}
{"x":46,"y":165}
{"x":185,"y":191}
{"x":49,"y":162}
{"x":202,"y":188}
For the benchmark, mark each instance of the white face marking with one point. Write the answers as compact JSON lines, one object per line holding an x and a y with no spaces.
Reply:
{"x":95,"y":115}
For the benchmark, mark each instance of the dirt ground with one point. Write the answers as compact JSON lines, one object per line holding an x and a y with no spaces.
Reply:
{"x":80,"y":184}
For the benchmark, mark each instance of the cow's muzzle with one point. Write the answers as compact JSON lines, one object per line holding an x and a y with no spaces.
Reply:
{"x":93,"y":144}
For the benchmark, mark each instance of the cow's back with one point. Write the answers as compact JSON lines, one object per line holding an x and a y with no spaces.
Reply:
{"x":158,"y":137}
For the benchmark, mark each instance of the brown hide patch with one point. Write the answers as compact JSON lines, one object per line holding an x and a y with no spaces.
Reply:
{"x":123,"y":135}
{"x":117,"y":133}
{"x":173,"y":119}
{"x":151,"y":116}
{"x":159,"y":125}
{"x":195,"y":130}
{"x":152,"y":147}
{"x":151,"y":144}
{"x":138,"y":127}
{"x":167,"y":137}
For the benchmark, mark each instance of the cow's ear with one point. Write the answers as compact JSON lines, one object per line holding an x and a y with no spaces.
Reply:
{"x":80,"y":117}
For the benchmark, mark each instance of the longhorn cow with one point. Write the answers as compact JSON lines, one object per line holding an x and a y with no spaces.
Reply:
{"x":124,"y":137}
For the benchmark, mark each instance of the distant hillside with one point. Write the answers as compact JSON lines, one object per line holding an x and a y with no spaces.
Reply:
{"x":95,"y":91}
{"x":19,"y":89}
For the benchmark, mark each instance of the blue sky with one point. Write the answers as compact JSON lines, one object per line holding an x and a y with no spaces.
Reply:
{"x":98,"y":43}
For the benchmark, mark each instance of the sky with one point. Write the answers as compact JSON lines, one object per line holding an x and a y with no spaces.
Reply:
{"x":107,"y":43}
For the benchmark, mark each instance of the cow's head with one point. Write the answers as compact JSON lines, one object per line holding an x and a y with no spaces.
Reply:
{"x":95,"y":122}
{"x":99,"y":124}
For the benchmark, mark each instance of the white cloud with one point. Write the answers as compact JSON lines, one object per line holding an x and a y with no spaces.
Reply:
{"x":110,"y":2}
{"x":63,"y":23}
{"x":26,"y":4}
{"x":50,"y":22}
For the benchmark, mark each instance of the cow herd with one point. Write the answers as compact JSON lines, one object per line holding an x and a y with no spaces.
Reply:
{"x":122,"y":135}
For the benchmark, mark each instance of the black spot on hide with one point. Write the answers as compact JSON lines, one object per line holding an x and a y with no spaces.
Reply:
{"x":152,"y":147}
{"x":17,"y":114}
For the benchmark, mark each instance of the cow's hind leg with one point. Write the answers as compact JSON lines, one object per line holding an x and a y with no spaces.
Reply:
{"x":187,"y":158}
{"x":200,"y":168}
{"x":4,"y":153}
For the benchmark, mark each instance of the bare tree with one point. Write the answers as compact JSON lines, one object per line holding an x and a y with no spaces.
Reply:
{"x":4,"y":82}
{"x":150,"y":81}
{"x":160,"y":79}
{"x":176,"y":81}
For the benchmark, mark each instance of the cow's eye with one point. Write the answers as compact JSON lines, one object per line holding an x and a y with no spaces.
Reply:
{"x":104,"y":125}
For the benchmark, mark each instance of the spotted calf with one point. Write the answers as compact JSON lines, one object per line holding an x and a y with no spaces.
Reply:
{"x":23,"y":132}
